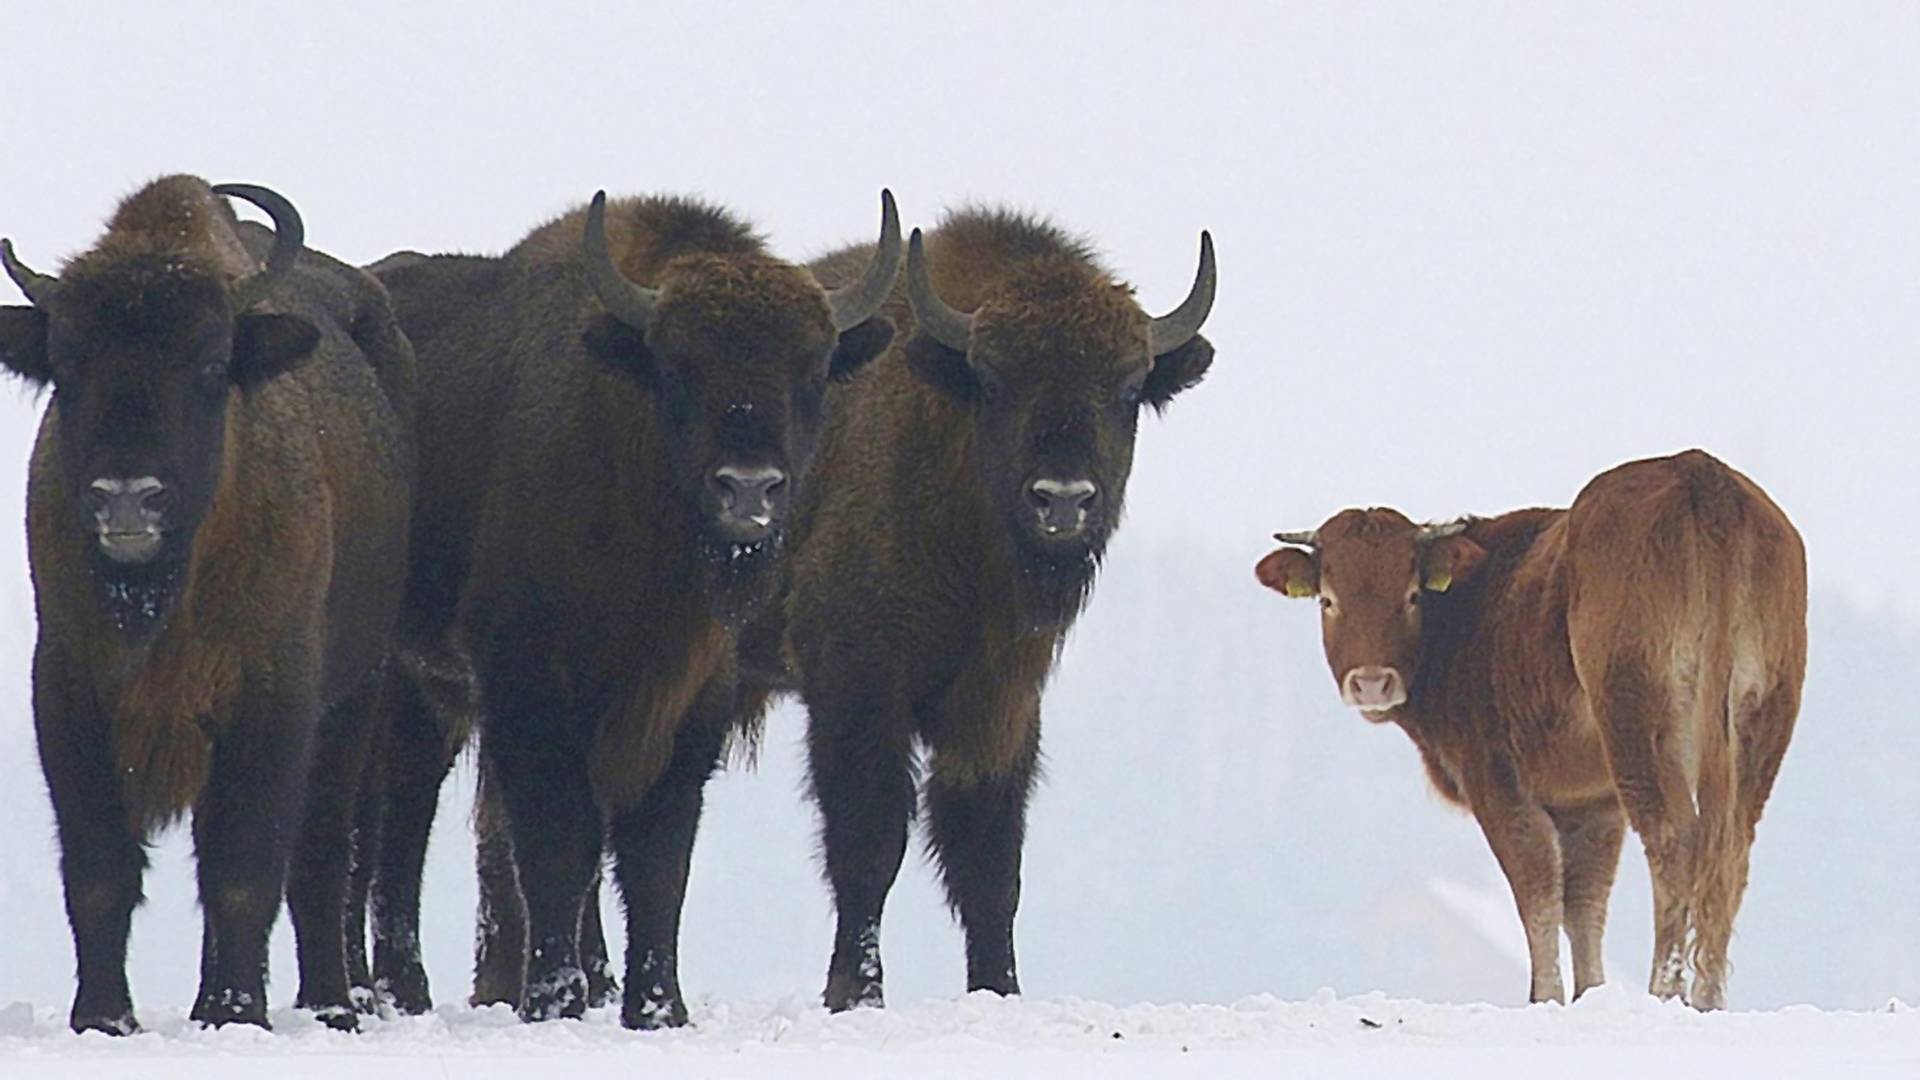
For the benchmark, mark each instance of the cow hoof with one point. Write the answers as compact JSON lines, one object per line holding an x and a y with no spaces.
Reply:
{"x":115,"y":1025}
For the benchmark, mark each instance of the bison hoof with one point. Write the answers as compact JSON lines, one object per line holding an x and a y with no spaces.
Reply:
{"x":858,"y":993}
{"x":406,"y":994}
{"x":602,"y":988}
{"x":652,"y":1014}
{"x":231,"y":1007}
{"x":115,"y":1024}
{"x":559,"y":996}
{"x":338,"y":1017}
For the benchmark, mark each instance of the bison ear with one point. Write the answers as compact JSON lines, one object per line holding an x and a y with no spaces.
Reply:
{"x":268,"y":345}
{"x":1449,"y":559}
{"x":23,"y":343}
{"x":858,"y":345}
{"x":1289,"y":571}
{"x":1176,"y":371}
{"x":945,"y":369}
{"x":622,"y":348}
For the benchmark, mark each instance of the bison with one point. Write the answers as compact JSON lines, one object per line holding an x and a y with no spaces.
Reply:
{"x":217,"y":519}
{"x":616,"y":416}
{"x":968,"y":486}
{"x":1635,"y":658}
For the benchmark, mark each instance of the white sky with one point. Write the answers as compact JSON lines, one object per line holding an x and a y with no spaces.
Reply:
{"x":1469,"y":256}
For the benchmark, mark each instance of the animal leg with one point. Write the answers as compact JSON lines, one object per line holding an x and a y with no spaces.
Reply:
{"x":500,"y":933}
{"x":653,"y":851}
{"x":1528,"y":848}
{"x":1590,"y":838}
{"x":417,"y":764}
{"x":317,"y":879}
{"x":370,"y":806}
{"x":976,"y":827}
{"x":860,"y":755}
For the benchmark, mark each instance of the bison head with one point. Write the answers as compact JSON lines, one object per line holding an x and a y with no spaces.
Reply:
{"x":1056,"y":362}
{"x":144,"y":342}
{"x":1374,"y":573}
{"x":736,"y":352}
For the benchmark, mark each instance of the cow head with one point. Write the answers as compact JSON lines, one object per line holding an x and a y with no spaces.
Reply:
{"x":1375,"y":574}
{"x":737,"y":352}
{"x":1056,"y":362}
{"x":144,"y":340}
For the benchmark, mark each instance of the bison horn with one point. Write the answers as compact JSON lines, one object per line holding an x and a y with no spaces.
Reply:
{"x":1305,"y":537}
{"x":948,"y":327}
{"x":1445,"y":529}
{"x":289,"y":234}
{"x":856,"y":303}
{"x":630,"y":303}
{"x":38,"y":287}
{"x":1177,"y":327}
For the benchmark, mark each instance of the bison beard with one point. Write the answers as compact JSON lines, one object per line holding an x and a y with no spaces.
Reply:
{"x":1054,"y":586}
{"x":137,"y":598}
{"x":739,"y":578}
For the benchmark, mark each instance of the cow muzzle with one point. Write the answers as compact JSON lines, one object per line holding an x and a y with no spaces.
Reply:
{"x":129,"y":516}
{"x":1375,"y":691}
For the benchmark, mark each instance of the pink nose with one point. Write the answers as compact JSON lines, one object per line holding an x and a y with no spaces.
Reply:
{"x":1373,"y":688}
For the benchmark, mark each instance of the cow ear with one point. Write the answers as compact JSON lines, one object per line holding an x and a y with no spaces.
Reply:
{"x":1289,"y":571}
{"x":266,"y":345}
{"x":1449,"y":560}
{"x":858,"y":345}
{"x":946,"y":369}
{"x":622,"y":348}
{"x":23,"y":343}
{"x":1176,"y":371}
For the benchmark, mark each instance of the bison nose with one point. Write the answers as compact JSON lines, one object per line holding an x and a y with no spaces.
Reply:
{"x":1062,"y":504}
{"x":1374,"y":689}
{"x":128,"y":514}
{"x":755,"y":497}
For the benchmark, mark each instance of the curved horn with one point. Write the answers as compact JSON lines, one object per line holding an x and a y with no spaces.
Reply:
{"x":289,"y":234}
{"x":37,"y":287}
{"x":1444,"y":529}
{"x":630,"y":303}
{"x":856,"y":303}
{"x":1305,"y":537}
{"x":948,"y":327}
{"x":1177,"y":327}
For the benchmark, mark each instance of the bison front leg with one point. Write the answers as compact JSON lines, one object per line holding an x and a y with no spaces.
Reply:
{"x":101,"y":855}
{"x":538,"y":754}
{"x":317,"y":883}
{"x":244,"y":830}
{"x":1525,"y":842}
{"x":859,"y":751}
{"x":977,"y":825}
{"x":653,"y":850}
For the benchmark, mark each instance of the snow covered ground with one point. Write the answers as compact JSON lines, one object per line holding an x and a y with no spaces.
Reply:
{"x":1609,"y":1033}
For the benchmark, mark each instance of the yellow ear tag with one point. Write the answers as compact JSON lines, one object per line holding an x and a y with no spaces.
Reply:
{"x":1439,"y":580}
{"x":1299,"y":590}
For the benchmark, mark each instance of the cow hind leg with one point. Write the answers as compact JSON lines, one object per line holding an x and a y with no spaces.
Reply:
{"x":976,"y":827}
{"x":1528,"y":849}
{"x":1647,"y":754}
{"x":861,"y":761}
{"x":1590,"y":839}
{"x":317,"y":879}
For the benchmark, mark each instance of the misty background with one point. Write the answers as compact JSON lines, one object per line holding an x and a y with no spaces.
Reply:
{"x":1469,"y":257}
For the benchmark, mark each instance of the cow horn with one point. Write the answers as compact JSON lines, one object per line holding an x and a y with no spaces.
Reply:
{"x":630,"y":303}
{"x":1445,"y":529}
{"x":1305,"y":537}
{"x":856,"y":303}
{"x":1177,"y":327}
{"x":948,"y":327}
{"x":38,"y":287}
{"x":289,"y":234}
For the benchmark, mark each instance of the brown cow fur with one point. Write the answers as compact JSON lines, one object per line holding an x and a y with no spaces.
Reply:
{"x":1638,"y":654}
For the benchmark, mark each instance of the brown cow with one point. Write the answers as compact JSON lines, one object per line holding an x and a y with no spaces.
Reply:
{"x":1642,"y":650}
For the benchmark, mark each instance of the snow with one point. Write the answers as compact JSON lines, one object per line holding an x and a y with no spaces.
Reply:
{"x":1371,"y":1035}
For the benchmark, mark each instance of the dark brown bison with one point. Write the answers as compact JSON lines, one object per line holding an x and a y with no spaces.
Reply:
{"x":968,"y":486}
{"x":217,"y":519}
{"x":616,"y":416}
{"x":1642,"y":650}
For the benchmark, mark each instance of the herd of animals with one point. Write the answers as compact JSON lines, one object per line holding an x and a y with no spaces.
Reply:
{"x":300,"y":531}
